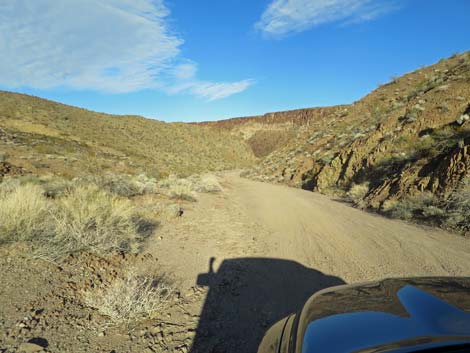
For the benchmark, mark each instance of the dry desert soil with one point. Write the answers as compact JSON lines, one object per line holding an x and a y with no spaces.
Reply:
{"x":242,"y":259}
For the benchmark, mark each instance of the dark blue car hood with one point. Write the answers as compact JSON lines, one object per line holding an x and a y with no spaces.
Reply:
{"x":395,"y":315}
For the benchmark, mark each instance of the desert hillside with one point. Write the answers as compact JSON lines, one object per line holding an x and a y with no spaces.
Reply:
{"x":404,"y":149}
{"x":41,"y":137}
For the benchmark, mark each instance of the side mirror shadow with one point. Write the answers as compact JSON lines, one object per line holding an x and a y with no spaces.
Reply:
{"x":204,"y":279}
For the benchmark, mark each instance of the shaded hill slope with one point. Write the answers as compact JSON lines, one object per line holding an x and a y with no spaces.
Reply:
{"x":43,"y":136}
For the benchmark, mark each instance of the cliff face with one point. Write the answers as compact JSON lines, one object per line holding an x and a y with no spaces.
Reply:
{"x":407,"y":137}
{"x":269,"y":132}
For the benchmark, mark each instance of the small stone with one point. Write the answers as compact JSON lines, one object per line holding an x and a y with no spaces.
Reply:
{"x":29,"y":348}
{"x":462,"y":119}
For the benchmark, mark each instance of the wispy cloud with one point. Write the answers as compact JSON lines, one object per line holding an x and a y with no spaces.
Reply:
{"x":213,"y":91}
{"x":113,"y":46}
{"x":184,"y":81}
{"x":283,"y":17}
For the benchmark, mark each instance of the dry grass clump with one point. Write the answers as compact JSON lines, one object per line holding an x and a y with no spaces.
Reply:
{"x":177,"y":188}
{"x":55,"y":187}
{"x":181,"y":192}
{"x":130,"y":299}
{"x":24,"y":212}
{"x":80,"y":218}
{"x":206,"y":183}
{"x":88,"y":218}
{"x":357,"y":192}
{"x":186,"y":188}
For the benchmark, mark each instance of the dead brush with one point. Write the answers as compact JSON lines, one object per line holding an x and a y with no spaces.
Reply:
{"x":131,"y":298}
{"x":81,"y":218}
{"x":23,"y":213}
{"x":91,"y":219}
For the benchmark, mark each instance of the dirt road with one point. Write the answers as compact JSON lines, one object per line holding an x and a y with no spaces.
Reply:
{"x":261,"y":250}
{"x":263,"y":220}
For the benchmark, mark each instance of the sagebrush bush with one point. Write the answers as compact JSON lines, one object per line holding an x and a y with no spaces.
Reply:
{"x":122,"y":185}
{"x":458,"y":208}
{"x":175,"y":188}
{"x":131,"y":298}
{"x":88,"y":218}
{"x":206,"y":183}
{"x":455,"y":214}
{"x":357,"y":192}
{"x":186,"y":188}
{"x":182,"y":192}
{"x":24,"y":212}
{"x":52,"y":186}
{"x":56,"y":187}
{"x":421,"y":206}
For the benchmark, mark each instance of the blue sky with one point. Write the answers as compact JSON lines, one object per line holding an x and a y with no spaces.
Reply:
{"x":180,"y":60}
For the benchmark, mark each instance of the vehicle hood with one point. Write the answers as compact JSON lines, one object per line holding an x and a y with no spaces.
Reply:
{"x":393,"y":315}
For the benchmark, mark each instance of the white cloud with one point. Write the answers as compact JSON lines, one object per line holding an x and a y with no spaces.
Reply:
{"x":218,"y":90}
{"x":288,"y":16}
{"x":185,"y":81}
{"x":113,"y":46}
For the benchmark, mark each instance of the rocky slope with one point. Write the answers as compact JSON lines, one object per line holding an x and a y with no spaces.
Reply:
{"x":269,"y":132}
{"x":47,"y":137}
{"x":408,"y":137}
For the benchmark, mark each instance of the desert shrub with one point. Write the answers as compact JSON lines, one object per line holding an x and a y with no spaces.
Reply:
{"x":458,"y":208}
{"x":56,"y":187}
{"x":79,"y":218}
{"x":4,"y":156}
{"x":176,"y":188}
{"x":205,"y":183}
{"x":326,"y":159}
{"x":245,"y":173}
{"x":131,"y":298}
{"x":122,"y":185}
{"x":357,"y":192}
{"x":8,"y":185}
{"x":425,"y":147}
{"x":88,"y":218}
{"x":424,"y":206}
{"x":52,"y":186}
{"x":182,"y":192}
{"x":23,"y":212}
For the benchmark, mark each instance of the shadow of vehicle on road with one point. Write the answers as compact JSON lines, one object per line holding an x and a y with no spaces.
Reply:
{"x":248,"y":295}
